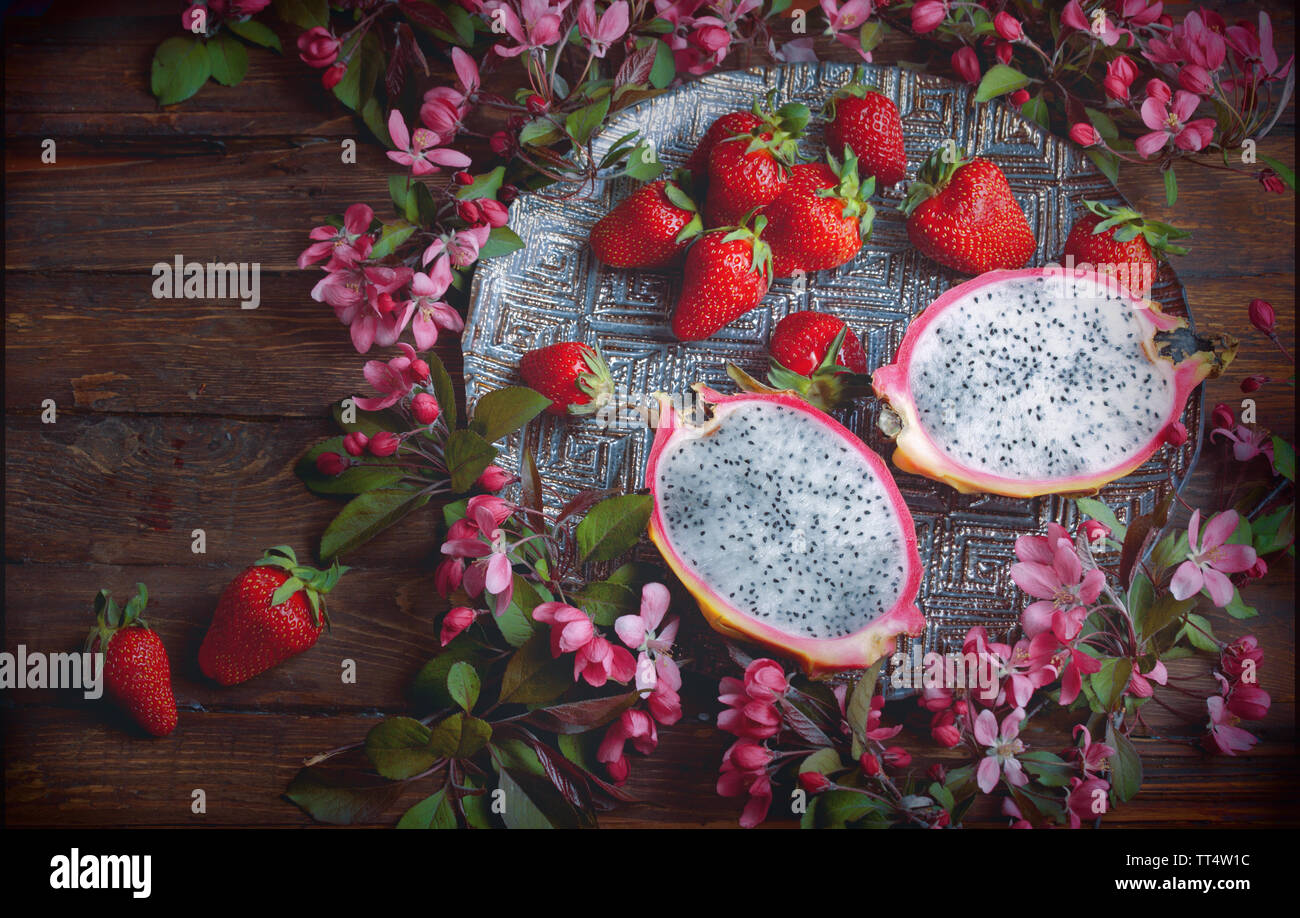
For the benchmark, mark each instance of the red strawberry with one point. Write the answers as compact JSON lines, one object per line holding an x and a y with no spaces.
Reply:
{"x":790,"y":118}
{"x":810,"y":352}
{"x":648,"y":229}
{"x":272,"y":611}
{"x":571,"y":374}
{"x":137,"y":673}
{"x":745,"y":172}
{"x":962,"y":215}
{"x":1120,"y":241}
{"x":727,"y":274}
{"x":867,"y":123}
{"x":820,"y":218}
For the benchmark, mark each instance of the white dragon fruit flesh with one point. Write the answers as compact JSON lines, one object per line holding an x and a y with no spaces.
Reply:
{"x":1041,"y":381}
{"x":787,"y":529}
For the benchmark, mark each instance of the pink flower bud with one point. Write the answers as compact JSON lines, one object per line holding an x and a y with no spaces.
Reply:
{"x":897,"y":757}
{"x":1253,"y":383}
{"x":618,"y":770}
{"x":937,"y":772}
{"x":814,"y":782}
{"x":536,"y":104}
{"x":494,"y":478}
{"x":500,"y":143}
{"x":1084,"y":134}
{"x":1222,"y":418}
{"x":507,"y":194}
{"x":384,"y":443}
{"x":1003,"y":51}
{"x":448,"y":575}
{"x":333,"y":75}
{"x":425,"y":408}
{"x":463,"y":178}
{"x":960,"y":708}
{"x":330,"y":464}
{"x":967,"y":64}
{"x":1262,"y":315}
{"x":1269,"y":180}
{"x":1008,"y":26}
{"x":454,"y":622}
{"x":870,"y":764}
{"x":1176,"y":434}
{"x":355,"y":443}
{"x":1258,"y":569}
{"x":927,"y":15}
{"x":494,"y":212}
{"x":1019,"y":97}
{"x":419,"y":370}
{"x":318,"y":47}
{"x":750,"y":756}
{"x":468,"y":211}
{"x":1159,"y":90}
{"x":944,"y":730}
{"x":1093,"y":530}
{"x":1249,"y":702}
{"x":1195,"y":79}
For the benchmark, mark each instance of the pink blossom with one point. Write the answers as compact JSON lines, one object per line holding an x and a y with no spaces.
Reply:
{"x":750,"y":710}
{"x":494,"y":212}
{"x":1172,"y":123}
{"x":944,"y":729}
{"x":1247,"y":442}
{"x":1196,"y":80}
{"x":1224,"y":735}
{"x":317,"y":47}
{"x":494,"y":478}
{"x":539,"y":27}
{"x":1200,"y":43}
{"x":1249,"y":702}
{"x":1210,"y":558}
{"x":1003,"y":52}
{"x":1253,"y":50}
{"x":966,"y":64}
{"x":1047,"y":654}
{"x":430,"y":311}
{"x":936,"y":698}
{"x":420,"y":151}
{"x":1061,"y":587}
{"x":874,"y":728}
{"x":1159,"y":90}
{"x":1242,"y":655}
{"x":1084,"y":134}
{"x":1092,"y":756}
{"x":1139,"y":683}
{"x":603,"y":31}
{"x":1073,"y":16}
{"x":1093,"y":531}
{"x":1088,"y":799}
{"x":927,"y":15}
{"x":735,"y":781}
{"x":1120,"y":74}
{"x":461,"y":247}
{"x":850,"y":15}
{"x":656,"y":672}
{"x":454,"y":622}
{"x":1008,"y":26}
{"x":447,"y":576}
{"x":340,"y":243}
{"x":393,"y":380}
{"x":1002,"y":747}
{"x":1140,"y":12}
{"x":1012,"y":812}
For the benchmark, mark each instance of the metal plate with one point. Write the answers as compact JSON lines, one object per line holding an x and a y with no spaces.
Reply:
{"x":553,"y":290}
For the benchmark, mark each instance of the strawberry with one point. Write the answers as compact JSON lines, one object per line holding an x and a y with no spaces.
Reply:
{"x":270,"y":612}
{"x":749,"y":170}
{"x":962,"y":215}
{"x":820,"y":218}
{"x":571,"y":374}
{"x":790,"y":118}
{"x":727,"y":273}
{"x":137,"y":673}
{"x":811,"y":352}
{"x":648,"y":229}
{"x":867,"y":123}
{"x":1120,"y":241}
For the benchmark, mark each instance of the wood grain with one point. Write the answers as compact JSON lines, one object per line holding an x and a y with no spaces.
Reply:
{"x":175,"y":415}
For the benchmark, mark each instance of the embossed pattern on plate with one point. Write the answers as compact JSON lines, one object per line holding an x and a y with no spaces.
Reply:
{"x":553,"y":290}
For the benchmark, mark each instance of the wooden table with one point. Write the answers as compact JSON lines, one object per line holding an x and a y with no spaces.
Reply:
{"x":178,"y":415}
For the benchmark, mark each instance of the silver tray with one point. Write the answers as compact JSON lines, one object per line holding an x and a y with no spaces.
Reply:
{"x":553,"y":290}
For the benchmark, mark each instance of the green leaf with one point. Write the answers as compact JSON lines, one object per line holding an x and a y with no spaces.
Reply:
{"x":254,"y":31}
{"x":581,"y":716}
{"x":1050,"y":769}
{"x":664,"y":69}
{"x":463,"y":685}
{"x":367,"y":515}
{"x":377,"y":472}
{"x":533,"y":676}
{"x":502,"y":240}
{"x":1103,"y":123}
{"x":399,"y":189}
{"x":1105,"y":161}
{"x":531,"y":802}
{"x":429,"y":690}
{"x":367,"y":422}
{"x":613,"y":526}
{"x":1125,"y":765}
{"x":584,"y":122}
{"x":433,"y":812}
{"x":1164,"y":610}
{"x":340,"y":804}
{"x":420,"y":207}
{"x":358,"y":81}
{"x":1237,"y":608}
{"x":999,"y":80}
{"x":540,"y":132}
{"x":227,"y":59}
{"x":503,"y":411}
{"x":303,"y":13}
{"x":1096,"y":510}
{"x":1200,"y":633}
{"x":467,"y":455}
{"x":643,"y":164}
{"x":459,"y":736}
{"x":1110,"y":681}
{"x":476,"y":807}
{"x":372,"y":113}
{"x":390,"y":237}
{"x":1141,"y":594}
{"x":444,"y":390}
{"x":837,"y":809}
{"x":399,"y":748}
{"x":1275,"y":531}
{"x":1281,"y":169}
{"x":1284,"y":458}
{"x":824,"y":761}
{"x":180,"y":68}
{"x":859,"y":707}
{"x":1171,"y":187}
{"x":484,"y":186}
{"x":605,"y":601}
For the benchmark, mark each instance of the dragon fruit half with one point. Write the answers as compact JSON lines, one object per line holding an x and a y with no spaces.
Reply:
{"x":786,"y":528}
{"x":1041,"y":381}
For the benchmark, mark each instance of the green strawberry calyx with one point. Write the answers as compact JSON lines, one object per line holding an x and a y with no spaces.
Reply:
{"x":851,"y":190}
{"x":673,"y":191}
{"x":789,"y":119}
{"x":111,"y":618}
{"x":857,"y":88}
{"x":934,"y":175}
{"x":312,"y":582}
{"x":824,"y":388}
{"x":597,"y":383}
{"x":761,"y":252}
{"x":1129,"y":223}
